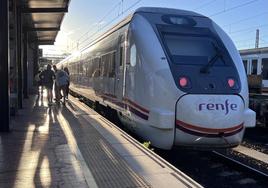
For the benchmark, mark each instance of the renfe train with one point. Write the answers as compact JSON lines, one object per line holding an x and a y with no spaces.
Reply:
{"x":173,"y":76}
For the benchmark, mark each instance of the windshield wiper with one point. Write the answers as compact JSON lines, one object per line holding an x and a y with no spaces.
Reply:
{"x":205,"y":69}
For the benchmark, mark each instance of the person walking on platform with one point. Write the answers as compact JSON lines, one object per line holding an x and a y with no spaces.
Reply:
{"x":56,"y":88}
{"x":39,"y":82}
{"x":68,"y":85}
{"x":48,"y":76}
{"x":62,"y":80}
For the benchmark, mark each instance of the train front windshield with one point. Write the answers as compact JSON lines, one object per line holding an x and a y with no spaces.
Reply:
{"x":192,"y":50}
{"x":199,"y":54}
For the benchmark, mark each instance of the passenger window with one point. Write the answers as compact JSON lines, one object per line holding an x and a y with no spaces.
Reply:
{"x":254,"y":66}
{"x":265,"y":68}
{"x":133,"y":55}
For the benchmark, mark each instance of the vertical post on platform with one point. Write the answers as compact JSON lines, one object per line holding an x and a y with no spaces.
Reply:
{"x":4,"y":66}
{"x":19,"y":67}
{"x":25,"y":65}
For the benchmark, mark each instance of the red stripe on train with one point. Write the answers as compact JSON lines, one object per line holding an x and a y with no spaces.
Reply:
{"x":208,"y":130}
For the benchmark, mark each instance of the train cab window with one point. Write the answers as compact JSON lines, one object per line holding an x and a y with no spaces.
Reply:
{"x":245,"y":63}
{"x":265,"y":68}
{"x":254,"y":64}
{"x":192,"y":50}
{"x":133,"y":55}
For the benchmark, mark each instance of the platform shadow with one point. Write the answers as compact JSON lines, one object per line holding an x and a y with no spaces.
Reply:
{"x":106,"y":165}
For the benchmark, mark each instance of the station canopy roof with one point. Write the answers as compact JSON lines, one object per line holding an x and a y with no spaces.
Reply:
{"x":42,"y":19}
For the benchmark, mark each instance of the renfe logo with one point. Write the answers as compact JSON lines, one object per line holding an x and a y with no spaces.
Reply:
{"x":218,"y":106}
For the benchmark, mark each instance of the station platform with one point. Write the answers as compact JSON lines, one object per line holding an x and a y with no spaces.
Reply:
{"x":73,"y":146}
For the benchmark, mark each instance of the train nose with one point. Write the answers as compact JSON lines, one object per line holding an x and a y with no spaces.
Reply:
{"x":209,"y":120}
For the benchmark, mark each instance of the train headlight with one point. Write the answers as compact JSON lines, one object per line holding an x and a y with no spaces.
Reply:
{"x":231,"y":82}
{"x":184,"y":82}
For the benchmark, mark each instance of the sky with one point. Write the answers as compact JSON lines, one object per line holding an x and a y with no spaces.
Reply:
{"x":87,"y":19}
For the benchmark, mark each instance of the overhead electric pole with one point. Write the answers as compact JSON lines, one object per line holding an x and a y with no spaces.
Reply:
{"x":257,"y":38}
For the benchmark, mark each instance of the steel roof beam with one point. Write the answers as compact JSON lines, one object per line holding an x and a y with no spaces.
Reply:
{"x":45,"y":42}
{"x":43,"y":29}
{"x":44,"y":10}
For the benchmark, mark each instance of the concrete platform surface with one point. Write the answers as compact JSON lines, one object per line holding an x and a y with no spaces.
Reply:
{"x":252,"y":153}
{"x":73,"y":146}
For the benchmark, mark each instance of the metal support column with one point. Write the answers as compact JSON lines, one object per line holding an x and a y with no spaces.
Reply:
{"x":13,"y":58}
{"x":36,"y":66}
{"x":19,"y":67}
{"x":4,"y":66}
{"x":25,"y":65}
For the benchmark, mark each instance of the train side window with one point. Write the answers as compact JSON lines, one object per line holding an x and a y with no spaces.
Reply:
{"x":112,"y":65}
{"x":265,"y":68}
{"x":90,"y":68}
{"x":245,"y":62}
{"x":254,"y":65}
{"x":133,"y":55}
{"x":102,"y":62}
{"x":84,"y":67}
{"x":81,"y":68}
{"x":75,"y":68}
{"x":96,"y":68}
{"x":105,"y":65}
{"x":121,"y":55}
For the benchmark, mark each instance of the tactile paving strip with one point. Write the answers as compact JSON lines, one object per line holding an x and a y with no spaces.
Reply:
{"x":107,"y":167}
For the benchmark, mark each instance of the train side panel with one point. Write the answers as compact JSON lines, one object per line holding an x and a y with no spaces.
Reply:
{"x":149,"y":84}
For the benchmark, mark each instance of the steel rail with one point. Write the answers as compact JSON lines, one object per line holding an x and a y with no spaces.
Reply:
{"x":236,"y":162}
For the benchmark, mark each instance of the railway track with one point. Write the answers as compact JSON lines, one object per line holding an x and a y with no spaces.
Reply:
{"x":215,"y":169}
{"x":257,"y":139}
{"x":244,"y":167}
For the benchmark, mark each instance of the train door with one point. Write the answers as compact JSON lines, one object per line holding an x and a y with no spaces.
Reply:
{"x":120,"y":68}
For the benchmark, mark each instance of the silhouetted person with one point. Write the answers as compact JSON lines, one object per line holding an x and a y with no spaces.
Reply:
{"x":48,"y":77}
{"x":39,"y":81}
{"x":62,"y":80}
{"x":68,"y":85}
{"x":56,"y":88}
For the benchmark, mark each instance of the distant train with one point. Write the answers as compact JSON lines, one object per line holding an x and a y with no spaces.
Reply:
{"x":173,"y":76}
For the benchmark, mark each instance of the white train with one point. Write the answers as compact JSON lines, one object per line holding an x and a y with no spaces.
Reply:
{"x":173,"y":76}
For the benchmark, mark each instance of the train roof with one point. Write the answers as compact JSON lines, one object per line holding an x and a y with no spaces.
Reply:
{"x":160,"y":10}
{"x":127,"y":19}
{"x":156,"y":10}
